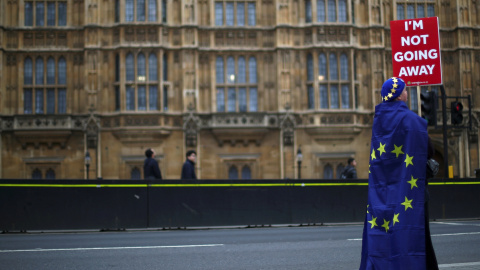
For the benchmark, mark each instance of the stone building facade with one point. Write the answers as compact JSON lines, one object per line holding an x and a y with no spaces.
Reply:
{"x":247,"y":84}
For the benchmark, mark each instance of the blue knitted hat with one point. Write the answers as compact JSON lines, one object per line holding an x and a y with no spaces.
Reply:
{"x":392,"y":88}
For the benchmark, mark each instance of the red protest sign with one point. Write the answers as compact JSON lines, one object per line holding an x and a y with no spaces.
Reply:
{"x":416,"y":51}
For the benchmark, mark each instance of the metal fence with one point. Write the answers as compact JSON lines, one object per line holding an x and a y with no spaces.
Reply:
{"x":27,"y":205}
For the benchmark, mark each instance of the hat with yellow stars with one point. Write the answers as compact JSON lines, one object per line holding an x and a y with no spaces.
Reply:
{"x":392,"y":88}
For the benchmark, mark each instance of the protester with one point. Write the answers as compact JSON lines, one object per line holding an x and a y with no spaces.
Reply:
{"x":188,"y":169}
{"x":396,"y":232}
{"x":350,"y":172}
{"x":150,"y":166}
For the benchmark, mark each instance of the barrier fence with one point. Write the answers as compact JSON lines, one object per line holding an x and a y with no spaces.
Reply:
{"x":27,"y":205}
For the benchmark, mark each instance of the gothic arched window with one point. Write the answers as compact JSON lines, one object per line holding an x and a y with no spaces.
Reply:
{"x":310,"y":80}
{"x":40,"y":93}
{"x":28,"y":71}
{"x":342,"y":10}
{"x":332,"y":11}
{"x":238,"y":91}
{"x":50,"y":174}
{"x":246,"y":172}
{"x":242,"y":70}
{"x":142,"y":82}
{"x":36,"y":174}
{"x":320,"y":10}
{"x":55,"y":13}
{"x":327,"y":172}
{"x":50,"y":71}
{"x":332,"y":83}
{"x":339,"y":170}
{"x":233,"y":172}
{"x":308,"y":11}
{"x":138,"y":10}
{"x":135,"y":174}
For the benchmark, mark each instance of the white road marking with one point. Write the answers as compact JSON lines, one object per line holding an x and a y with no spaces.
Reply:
{"x":458,"y":264}
{"x":445,"y":234}
{"x":457,"y":224}
{"x":106,"y":248}
{"x":450,"y":234}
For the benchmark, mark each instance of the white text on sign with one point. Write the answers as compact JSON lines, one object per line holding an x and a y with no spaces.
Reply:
{"x":416,"y":55}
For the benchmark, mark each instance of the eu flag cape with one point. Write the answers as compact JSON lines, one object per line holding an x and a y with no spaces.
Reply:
{"x":394,"y":230}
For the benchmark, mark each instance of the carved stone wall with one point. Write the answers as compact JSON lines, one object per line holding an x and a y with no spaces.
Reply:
{"x":186,"y":44}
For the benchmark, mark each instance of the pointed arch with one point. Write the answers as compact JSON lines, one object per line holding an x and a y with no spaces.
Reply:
{"x":233,"y":172}
{"x":246,"y":172}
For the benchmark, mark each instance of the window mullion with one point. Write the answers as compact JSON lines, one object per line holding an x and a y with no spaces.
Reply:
{"x":56,"y":14}
{"x":235,"y":13}
{"x":147,"y":96}
{"x":237,"y":99}
{"x":145,"y":10}
{"x":135,"y":71}
{"x":135,"y":16}
{"x":55,"y":100}
{"x":45,"y":101}
{"x":247,"y":97}
{"x":147,"y":73}
{"x":45,"y":13}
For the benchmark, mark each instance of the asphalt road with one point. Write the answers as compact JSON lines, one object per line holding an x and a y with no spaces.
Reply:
{"x":457,"y":245}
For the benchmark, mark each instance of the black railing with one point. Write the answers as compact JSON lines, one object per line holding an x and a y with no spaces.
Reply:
{"x":27,"y":205}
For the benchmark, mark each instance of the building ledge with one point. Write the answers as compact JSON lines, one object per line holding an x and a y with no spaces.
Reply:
{"x":141,"y":136}
{"x":38,"y":137}
{"x":243,"y":136}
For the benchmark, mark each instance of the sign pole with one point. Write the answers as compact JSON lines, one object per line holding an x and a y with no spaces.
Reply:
{"x":419,"y":109}
{"x":444,"y":127}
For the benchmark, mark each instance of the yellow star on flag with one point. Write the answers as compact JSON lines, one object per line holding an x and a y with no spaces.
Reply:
{"x":407,"y":203}
{"x":373,"y":222}
{"x":367,"y":208}
{"x":386,"y":98}
{"x":381,"y":149}
{"x":393,"y":90}
{"x":413,"y":182}
{"x":390,"y":95}
{"x":398,"y":150}
{"x":373,"y":154}
{"x":395,"y":218}
{"x":385,"y":225}
{"x":408,"y":161}
{"x":395,"y":85}
{"x":394,"y":79}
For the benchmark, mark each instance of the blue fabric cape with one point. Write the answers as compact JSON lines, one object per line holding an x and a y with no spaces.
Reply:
{"x":394,"y":230}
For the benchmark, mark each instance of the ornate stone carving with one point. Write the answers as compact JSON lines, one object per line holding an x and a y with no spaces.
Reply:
{"x":51,"y":39}
{"x":62,"y":39}
{"x":190,"y":128}
{"x":12,"y":39}
{"x":116,"y":36}
{"x":129,"y":34}
{"x":39,"y":39}
{"x":141,"y":35}
{"x":91,"y":128}
{"x":11,"y":60}
{"x":288,"y":128}
{"x":152,"y":34}
{"x":203,"y":59}
{"x":28,"y":39}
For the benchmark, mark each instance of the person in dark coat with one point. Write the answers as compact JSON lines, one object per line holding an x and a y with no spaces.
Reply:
{"x":188,"y":169}
{"x":350,"y":172}
{"x":150,"y":166}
